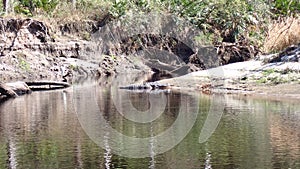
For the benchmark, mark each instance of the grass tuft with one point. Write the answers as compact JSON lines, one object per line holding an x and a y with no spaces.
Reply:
{"x":282,"y":33}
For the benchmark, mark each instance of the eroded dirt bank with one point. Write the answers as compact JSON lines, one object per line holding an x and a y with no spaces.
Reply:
{"x":32,"y":50}
{"x":29,"y":51}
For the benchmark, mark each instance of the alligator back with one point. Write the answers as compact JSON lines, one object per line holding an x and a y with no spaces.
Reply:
{"x":148,"y":85}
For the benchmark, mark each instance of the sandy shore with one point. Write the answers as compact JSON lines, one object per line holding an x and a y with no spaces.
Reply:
{"x":252,"y":78}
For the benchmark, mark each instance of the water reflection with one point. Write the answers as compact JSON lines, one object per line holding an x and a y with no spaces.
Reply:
{"x":112,"y":112}
{"x":42,"y":130}
{"x":107,"y":153}
{"x":12,"y":152}
{"x":151,"y":149}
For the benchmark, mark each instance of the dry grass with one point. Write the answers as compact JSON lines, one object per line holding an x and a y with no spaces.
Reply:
{"x":282,"y":33}
{"x":78,"y":20}
{"x":65,"y":13}
{"x":90,"y":10}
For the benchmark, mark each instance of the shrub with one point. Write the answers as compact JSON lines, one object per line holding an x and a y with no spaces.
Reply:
{"x":30,"y":7}
{"x":84,"y":10}
{"x":228,"y":20}
{"x":286,"y":7}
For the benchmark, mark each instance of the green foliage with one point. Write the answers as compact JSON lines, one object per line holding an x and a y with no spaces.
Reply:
{"x":24,"y":65}
{"x":86,"y":36}
{"x":268,"y":72}
{"x":113,"y":57}
{"x":121,"y":7}
{"x":73,"y":66}
{"x":220,"y":20}
{"x":227,"y":20}
{"x":272,"y":76}
{"x":30,"y":7}
{"x":86,"y":5}
{"x":206,"y":39}
{"x":262,"y":80}
{"x":286,"y":7}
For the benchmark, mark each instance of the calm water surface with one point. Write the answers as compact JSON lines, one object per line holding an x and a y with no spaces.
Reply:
{"x":43,"y":130}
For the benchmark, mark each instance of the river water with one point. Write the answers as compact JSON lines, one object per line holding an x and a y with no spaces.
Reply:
{"x":76,"y":128}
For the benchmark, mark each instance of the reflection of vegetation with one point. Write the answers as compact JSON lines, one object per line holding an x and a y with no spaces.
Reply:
{"x":27,"y":153}
{"x":43,"y":154}
{"x":241,"y":138}
{"x":48,"y":154}
{"x":3,"y":154}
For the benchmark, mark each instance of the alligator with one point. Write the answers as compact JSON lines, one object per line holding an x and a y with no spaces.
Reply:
{"x":147,"y":86}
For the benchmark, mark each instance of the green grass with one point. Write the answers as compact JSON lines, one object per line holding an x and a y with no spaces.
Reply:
{"x":262,"y":80}
{"x":24,"y":65}
{"x":267,"y":72}
{"x":220,"y":20}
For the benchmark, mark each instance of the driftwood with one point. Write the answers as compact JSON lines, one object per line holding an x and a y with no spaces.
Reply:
{"x":6,"y":91}
{"x":14,"y":89}
{"x":18,"y":88}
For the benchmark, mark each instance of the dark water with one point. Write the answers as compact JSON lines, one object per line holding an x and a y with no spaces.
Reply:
{"x":48,"y":130}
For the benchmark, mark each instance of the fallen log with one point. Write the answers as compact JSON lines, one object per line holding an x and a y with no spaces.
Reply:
{"x":19,"y":88}
{"x":14,"y":89}
{"x":6,"y":91}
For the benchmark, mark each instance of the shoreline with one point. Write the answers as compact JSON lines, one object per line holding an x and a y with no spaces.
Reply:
{"x":243,"y":78}
{"x":31,"y":52}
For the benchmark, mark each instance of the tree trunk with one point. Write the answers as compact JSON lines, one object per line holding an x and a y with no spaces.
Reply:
{"x":74,"y":4}
{"x":8,"y":6}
